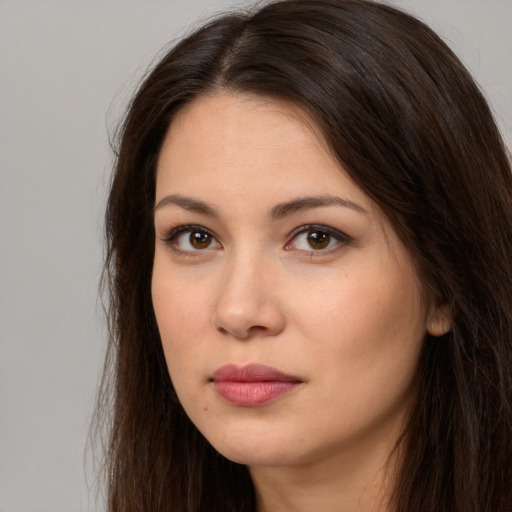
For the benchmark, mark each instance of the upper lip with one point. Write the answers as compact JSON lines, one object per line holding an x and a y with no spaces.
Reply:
{"x":251,"y":373}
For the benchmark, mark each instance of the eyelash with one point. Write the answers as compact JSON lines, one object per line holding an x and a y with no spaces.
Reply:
{"x":173,"y":234}
{"x":340,"y":238}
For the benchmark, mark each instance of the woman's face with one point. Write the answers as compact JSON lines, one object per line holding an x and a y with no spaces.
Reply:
{"x":291,"y":316}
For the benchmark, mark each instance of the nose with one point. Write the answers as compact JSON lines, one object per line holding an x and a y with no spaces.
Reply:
{"x":247,"y":303}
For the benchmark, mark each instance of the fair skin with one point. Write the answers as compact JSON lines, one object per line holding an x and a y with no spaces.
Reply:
{"x":247,"y":270}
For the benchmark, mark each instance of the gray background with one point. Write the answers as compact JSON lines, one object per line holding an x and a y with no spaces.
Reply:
{"x":67,"y":69}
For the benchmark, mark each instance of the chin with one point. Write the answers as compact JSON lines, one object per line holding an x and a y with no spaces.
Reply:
{"x":255,"y":456}
{"x":254,"y":447}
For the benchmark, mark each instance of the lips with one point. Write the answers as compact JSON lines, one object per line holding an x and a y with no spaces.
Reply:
{"x":252,"y":385}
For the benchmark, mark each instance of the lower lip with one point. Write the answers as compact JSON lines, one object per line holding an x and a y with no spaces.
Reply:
{"x":253,"y":394}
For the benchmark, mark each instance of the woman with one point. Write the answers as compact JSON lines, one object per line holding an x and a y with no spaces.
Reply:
{"x":309,"y":257}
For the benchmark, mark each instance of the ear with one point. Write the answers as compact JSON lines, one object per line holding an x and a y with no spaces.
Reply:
{"x":439,"y":320}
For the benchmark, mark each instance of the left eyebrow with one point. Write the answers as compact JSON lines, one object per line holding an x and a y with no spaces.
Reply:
{"x":304,"y":203}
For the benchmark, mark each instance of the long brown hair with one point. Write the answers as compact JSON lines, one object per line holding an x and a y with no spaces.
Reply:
{"x":407,"y":122}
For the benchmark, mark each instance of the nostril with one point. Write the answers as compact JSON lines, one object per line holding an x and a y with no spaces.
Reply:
{"x":244,"y":333}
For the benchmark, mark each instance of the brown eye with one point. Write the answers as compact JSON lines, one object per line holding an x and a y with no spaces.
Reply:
{"x":193,"y":240}
{"x":200,"y":240}
{"x":318,"y":239}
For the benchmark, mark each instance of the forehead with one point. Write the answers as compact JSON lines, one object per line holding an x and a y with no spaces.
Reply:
{"x":247,"y":118}
{"x":239,"y":137}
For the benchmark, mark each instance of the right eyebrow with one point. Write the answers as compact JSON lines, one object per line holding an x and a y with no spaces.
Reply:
{"x":187,"y":203}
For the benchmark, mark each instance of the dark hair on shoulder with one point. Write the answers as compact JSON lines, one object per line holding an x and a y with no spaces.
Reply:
{"x":408,"y":124}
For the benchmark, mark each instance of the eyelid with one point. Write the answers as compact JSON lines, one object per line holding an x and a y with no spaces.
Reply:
{"x":341,"y":237}
{"x":173,"y":233}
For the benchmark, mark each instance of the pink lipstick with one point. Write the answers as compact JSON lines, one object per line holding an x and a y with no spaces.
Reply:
{"x":252,"y":385}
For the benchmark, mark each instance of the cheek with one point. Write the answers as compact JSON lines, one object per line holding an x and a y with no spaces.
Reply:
{"x":369,"y":328}
{"x":366,"y":306}
{"x":181,"y":315}
{"x":368,"y":351}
